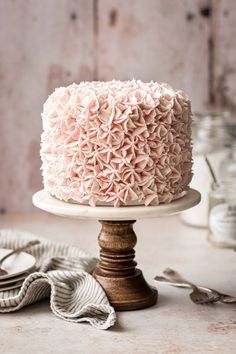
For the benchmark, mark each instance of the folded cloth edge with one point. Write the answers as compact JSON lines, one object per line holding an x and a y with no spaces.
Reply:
{"x":97,"y":311}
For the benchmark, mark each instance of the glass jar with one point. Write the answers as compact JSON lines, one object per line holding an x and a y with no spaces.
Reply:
{"x":210,"y":138}
{"x":222,"y":215}
{"x":227,"y":172}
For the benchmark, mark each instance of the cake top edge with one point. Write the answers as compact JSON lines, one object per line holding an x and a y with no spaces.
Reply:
{"x":115,"y":87}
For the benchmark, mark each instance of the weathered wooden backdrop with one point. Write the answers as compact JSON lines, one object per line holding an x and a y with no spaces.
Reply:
{"x":189,"y":44}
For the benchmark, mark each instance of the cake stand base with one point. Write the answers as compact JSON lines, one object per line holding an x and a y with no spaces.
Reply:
{"x":116,"y":271}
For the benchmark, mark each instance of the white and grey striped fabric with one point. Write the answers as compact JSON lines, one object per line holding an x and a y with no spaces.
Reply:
{"x":64,"y":276}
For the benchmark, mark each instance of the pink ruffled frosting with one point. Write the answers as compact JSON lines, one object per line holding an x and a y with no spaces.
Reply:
{"x":117,"y":142}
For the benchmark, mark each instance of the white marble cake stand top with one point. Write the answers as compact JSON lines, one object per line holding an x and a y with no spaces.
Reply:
{"x":43,"y":200}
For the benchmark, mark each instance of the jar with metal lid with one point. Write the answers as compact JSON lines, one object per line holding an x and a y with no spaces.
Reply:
{"x":211,"y":139}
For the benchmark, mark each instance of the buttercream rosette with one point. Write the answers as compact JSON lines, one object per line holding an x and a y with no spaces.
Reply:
{"x":117,"y":142}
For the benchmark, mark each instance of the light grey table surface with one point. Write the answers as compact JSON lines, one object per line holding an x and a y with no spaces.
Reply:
{"x":174,"y":325}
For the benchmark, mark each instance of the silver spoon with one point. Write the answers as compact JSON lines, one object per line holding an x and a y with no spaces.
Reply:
{"x":19,"y":249}
{"x":224,"y":298}
{"x":198,"y":296}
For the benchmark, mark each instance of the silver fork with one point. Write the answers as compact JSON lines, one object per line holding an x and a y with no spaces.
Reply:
{"x":198,"y":296}
{"x":224,"y":298}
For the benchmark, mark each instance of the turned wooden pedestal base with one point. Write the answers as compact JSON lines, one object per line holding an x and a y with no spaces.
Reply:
{"x":116,"y":271}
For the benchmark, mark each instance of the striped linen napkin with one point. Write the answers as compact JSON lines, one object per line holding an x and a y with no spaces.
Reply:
{"x":64,"y":275}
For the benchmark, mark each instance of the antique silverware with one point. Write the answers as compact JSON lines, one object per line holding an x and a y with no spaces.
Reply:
{"x":19,"y":249}
{"x":198,"y":296}
{"x":224,"y":298}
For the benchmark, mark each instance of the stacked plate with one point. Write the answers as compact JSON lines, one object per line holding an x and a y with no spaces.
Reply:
{"x":18,"y":267}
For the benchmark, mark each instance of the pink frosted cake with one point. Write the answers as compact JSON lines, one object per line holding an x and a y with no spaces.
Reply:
{"x":118,"y":143}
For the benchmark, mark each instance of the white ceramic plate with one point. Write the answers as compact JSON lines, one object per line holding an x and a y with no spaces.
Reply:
{"x":15,"y":279}
{"x":16,"y":264}
{"x":11,"y":287}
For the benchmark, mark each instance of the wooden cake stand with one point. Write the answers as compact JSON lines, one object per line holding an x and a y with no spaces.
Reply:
{"x":116,"y":271}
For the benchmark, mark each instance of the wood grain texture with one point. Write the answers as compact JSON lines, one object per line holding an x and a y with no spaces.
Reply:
{"x":224,"y":36}
{"x":44,"y":44}
{"x":116,"y":271}
{"x":155,"y":40}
